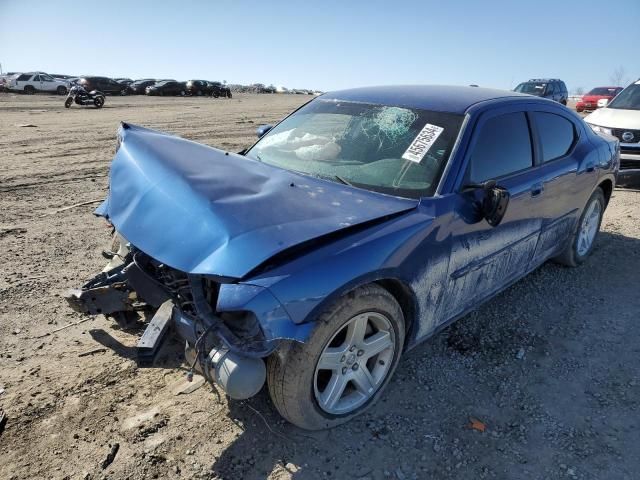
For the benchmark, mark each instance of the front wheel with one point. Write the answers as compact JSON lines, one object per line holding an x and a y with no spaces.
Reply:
{"x":583,"y":239}
{"x":344,"y":366}
{"x":98,"y":102}
{"x":68,"y":102}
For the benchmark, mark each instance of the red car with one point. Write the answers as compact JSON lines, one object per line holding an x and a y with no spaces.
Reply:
{"x":590,"y":100}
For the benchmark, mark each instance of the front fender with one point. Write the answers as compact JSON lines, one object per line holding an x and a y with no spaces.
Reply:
{"x":307,"y":285}
{"x":273,"y":318}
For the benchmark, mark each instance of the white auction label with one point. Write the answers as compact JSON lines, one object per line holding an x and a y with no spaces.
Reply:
{"x":422,"y":143}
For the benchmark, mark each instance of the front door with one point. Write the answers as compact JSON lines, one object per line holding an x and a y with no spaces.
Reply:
{"x":484,"y":259}
{"x":47,"y":83}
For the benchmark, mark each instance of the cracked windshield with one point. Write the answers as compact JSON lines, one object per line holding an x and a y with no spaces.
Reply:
{"x":388,"y":149}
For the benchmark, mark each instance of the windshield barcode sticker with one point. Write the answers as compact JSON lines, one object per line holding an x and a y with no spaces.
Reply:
{"x":422,"y":143}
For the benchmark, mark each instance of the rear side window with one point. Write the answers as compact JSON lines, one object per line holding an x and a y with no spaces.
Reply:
{"x":503,"y":147}
{"x":557,"y":135}
{"x":24,"y":77}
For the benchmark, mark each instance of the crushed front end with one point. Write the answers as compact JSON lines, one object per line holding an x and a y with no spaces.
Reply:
{"x":228,"y":327}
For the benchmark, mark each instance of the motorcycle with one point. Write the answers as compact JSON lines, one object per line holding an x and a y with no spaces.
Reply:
{"x":79,"y":94}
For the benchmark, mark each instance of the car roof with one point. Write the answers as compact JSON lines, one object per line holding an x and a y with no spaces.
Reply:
{"x":442,"y":98}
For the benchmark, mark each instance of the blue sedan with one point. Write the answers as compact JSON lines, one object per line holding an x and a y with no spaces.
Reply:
{"x":356,"y":228}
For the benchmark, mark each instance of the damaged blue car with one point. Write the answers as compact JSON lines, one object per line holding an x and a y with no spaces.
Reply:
{"x":351,"y":231}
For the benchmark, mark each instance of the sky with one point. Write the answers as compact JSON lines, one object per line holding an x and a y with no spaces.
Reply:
{"x":326,"y":45}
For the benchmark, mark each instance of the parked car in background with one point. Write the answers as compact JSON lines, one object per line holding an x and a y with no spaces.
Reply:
{"x":551,"y":88}
{"x":33,"y":82}
{"x":353,"y":230}
{"x":217,"y":89}
{"x":167,"y":87}
{"x":103,"y":84}
{"x":60,"y":76}
{"x":198,"y":87}
{"x":621,"y":118}
{"x":124,"y":81}
{"x":591,"y":100}
{"x":5,"y":78}
{"x":139,"y":87}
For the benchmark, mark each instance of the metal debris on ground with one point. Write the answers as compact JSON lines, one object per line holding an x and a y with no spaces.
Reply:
{"x":110,"y":456}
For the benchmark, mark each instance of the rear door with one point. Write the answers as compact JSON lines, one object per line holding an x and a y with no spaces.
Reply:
{"x":35,"y":82}
{"x":566,"y":172}
{"x":484,"y":259}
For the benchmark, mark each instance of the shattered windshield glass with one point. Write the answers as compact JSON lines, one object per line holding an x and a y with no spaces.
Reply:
{"x":388,"y":149}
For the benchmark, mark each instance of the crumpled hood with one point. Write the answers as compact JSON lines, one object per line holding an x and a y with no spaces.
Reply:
{"x":205,"y":211}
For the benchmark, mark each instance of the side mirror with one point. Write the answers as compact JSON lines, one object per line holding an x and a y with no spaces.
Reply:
{"x":262,"y":130}
{"x":494,"y":201}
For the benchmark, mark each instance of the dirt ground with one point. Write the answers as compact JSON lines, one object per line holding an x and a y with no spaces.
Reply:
{"x":550,"y":367}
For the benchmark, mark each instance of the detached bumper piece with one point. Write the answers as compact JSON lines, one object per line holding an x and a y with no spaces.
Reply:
{"x":151,"y":339}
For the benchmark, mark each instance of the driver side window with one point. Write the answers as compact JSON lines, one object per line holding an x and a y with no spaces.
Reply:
{"x":503,"y":147}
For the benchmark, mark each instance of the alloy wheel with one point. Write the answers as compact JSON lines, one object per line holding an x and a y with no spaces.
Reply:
{"x":589,"y":227}
{"x":354,"y":363}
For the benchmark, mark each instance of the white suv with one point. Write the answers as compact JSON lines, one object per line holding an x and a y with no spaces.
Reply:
{"x":33,"y":82}
{"x":621,"y":118}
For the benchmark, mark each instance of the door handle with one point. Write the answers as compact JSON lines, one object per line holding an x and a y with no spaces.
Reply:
{"x":590,"y":167}
{"x":536,"y":189}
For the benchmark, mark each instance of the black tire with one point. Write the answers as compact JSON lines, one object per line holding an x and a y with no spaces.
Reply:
{"x":98,"y":102}
{"x":29,"y":90}
{"x":62,"y":90}
{"x":291,"y":369}
{"x":571,"y":256}
{"x":229,"y":95}
{"x":124,"y":92}
{"x":68,"y":102}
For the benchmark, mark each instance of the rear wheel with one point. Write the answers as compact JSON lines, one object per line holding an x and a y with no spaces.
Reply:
{"x":62,"y":90}
{"x":344,"y":366}
{"x":583,"y":239}
{"x":29,"y":90}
